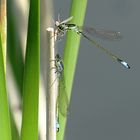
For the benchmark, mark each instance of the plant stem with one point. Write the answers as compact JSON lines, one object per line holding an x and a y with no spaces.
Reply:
{"x":52,"y":82}
{"x":3,"y":29}
{"x":71,"y":54}
{"x":5,"y":127}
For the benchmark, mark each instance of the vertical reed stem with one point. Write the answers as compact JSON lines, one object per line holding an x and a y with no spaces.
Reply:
{"x":3,"y":29}
{"x":52,"y":83}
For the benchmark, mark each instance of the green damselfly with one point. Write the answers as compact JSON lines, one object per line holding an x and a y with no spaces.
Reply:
{"x":63,"y":26}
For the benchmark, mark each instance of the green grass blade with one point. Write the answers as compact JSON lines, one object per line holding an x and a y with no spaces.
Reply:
{"x":14,"y":131}
{"x":78,"y":10}
{"x":31,"y":75}
{"x":14,"y":47}
{"x":14,"y":56}
{"x":5,"y":129}
{"x":3,"y":29}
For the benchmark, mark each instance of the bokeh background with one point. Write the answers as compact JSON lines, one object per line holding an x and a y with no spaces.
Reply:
{"x":106,"y":97}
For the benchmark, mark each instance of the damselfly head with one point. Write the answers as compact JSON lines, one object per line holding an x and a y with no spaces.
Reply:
{"x":57,"y":56}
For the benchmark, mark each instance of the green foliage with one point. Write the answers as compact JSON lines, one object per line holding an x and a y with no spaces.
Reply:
{"x":14,"y":51}
{"x":5,"y":129}
{"x":71,"y":54}
{"x":31,"y":75}
{"x":28,"y":83}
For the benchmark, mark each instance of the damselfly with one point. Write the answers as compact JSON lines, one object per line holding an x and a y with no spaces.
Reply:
{"x":63,"y":26}
{"x":62,"y":100}
{"x":62,"y":96}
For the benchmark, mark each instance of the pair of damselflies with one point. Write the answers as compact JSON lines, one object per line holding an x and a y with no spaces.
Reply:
{"x":61,"y":28}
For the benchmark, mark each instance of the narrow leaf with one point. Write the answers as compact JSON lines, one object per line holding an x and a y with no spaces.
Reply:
{"x":5,"y":129}
{"x":31,"y":75}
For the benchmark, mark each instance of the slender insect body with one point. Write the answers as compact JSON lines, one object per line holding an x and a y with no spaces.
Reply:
{"x":64,"y":26}
{"x":62,"y":100}
{"x":59,"y":69}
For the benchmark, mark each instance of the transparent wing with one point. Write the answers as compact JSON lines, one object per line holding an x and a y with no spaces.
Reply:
{"x":62,"y":97}
{"x":66,"y":20}
{"x":113,"y":56}
{"x":60,"y":37}
{"x":101,"y":33}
